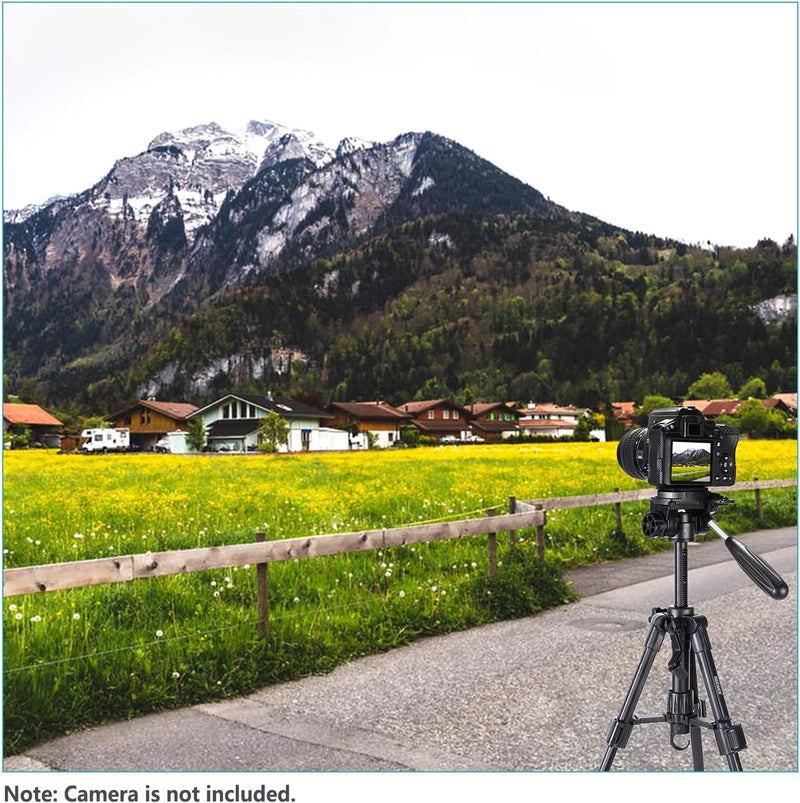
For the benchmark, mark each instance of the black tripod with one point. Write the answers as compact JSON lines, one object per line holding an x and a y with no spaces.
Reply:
{"x":680,"y":514}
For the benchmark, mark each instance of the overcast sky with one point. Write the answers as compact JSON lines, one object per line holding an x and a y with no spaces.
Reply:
{"x":676,"y":119}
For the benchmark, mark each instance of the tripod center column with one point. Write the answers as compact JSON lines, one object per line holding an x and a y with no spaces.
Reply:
{"x":681,"y":575}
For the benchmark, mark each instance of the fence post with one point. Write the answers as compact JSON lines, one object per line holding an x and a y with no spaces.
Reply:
{"x":618,"y":511}
{"x":540,"y":533}
{"x":262,"y":580}
{"x":512,"y":508}
{"x":758,"y":500}
{"x":492,"y":544}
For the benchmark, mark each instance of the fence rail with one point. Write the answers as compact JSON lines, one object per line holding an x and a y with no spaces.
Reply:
{"x":532,"y":513}
{"x":78,"y":574}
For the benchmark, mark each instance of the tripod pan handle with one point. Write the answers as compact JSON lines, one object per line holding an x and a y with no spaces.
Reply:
{"x":758,"y":570}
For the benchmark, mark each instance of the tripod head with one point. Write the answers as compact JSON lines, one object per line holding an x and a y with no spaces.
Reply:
{"x":680,"y":513}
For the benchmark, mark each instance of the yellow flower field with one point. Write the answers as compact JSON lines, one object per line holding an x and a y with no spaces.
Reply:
{"x":77,"y":657}
{"x":70,"y":507}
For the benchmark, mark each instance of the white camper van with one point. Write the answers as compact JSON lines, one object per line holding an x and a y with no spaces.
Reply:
{"x":105,"y":440}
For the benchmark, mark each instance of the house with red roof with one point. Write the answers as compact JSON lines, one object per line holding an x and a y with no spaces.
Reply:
{"x":439,"y":418}
{"x":552,"y":420}
{"x":40,"y":424}
{"x":494,"y":421}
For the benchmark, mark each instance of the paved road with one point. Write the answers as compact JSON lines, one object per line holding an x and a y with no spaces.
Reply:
{"x":531,"y":694}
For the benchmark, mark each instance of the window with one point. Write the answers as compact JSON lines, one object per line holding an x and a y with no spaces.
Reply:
{"x":431,"y":415}
{"x":226,"y":411}
{"x":446,"y":414}
{"x":455,"y":413}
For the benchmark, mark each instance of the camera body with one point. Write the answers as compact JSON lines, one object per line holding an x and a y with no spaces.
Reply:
{"x":680,"y":447}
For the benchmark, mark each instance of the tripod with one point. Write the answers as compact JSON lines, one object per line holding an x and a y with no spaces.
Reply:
{"x":680,"y":514}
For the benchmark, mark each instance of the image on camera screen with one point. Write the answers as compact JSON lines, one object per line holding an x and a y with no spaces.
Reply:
{"x":691,"y":462}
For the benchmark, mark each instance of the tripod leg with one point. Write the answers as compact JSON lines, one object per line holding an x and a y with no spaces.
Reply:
{"x":620,"y":729}
{"x":683,"y":703}
{"x":694,"y":731}
{"x":730,"y":737}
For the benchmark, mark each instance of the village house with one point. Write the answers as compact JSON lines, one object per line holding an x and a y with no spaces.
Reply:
{"x":232,"y":425}
{"x":440,"y":419}
{"x":716,"y":407}
{"x":149,"y":421}
{"x":377,"y":421}
{"x":494,"y":421}
{"x":785,"y":402}
{"x":37,"y":421}
{"x":551,"y":420}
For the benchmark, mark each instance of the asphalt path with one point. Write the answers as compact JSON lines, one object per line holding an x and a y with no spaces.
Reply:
{"x":534,"y":694}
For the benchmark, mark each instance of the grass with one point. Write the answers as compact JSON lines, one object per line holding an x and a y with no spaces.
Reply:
{"x":78,"y":657}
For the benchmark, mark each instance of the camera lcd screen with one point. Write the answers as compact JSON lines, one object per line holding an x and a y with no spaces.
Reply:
{"x":691,"y":462}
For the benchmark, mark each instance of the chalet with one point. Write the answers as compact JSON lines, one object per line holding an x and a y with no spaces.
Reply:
{"x":438,"y":419}
{"x":38,"y":422}
{"x":699,"y":404}
{"x":379,"y":420}
{"x":786,"y":402}
{"x":623,"y":410}
{"x":149,"y":420}
{"x":232,"y":424}
{"x":549,"y":419}
{"x":716,"y":407}
{"x":494,"y":421}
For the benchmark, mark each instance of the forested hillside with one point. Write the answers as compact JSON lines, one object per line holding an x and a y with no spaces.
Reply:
{"x":488,"y":308}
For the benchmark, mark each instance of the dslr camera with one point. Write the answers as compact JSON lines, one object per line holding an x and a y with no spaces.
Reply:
{"x":680,"y":447}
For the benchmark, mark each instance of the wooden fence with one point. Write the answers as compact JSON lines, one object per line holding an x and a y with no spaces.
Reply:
{"x":521,"y":515}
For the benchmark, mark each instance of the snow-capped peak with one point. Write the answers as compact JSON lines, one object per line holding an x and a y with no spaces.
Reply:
{"x":352,"y":144}
{"x":250,"y":141}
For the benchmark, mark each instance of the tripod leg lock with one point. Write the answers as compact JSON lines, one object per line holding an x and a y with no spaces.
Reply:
{"x":618,"y":733}
{"x":730,"y":737}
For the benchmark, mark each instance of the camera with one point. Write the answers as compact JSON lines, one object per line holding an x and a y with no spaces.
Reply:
{"x":680,"y":447}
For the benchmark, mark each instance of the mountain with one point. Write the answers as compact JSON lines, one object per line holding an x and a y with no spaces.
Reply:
{"x":223,"y":257}
{"x":92,"y":280}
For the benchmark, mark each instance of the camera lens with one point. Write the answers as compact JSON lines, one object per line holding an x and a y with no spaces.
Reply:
{"x":632,"y":453}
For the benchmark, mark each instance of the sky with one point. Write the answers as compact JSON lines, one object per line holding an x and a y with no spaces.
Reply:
{"x":678,"y":119}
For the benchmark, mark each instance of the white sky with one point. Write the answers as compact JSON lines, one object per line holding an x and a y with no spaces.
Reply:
{"x":676,"y":119}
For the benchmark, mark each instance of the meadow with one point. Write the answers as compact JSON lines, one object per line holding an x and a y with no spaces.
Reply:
{"x":77,"y":657}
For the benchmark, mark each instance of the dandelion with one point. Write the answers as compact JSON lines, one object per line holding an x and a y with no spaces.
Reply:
{"x":76,"y":616}
{"x":176,"y":675}
{"x":18,"y":616}
{"x":401,"y":594}
{"x":12,"y":607}
{"x":159,"y":633}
